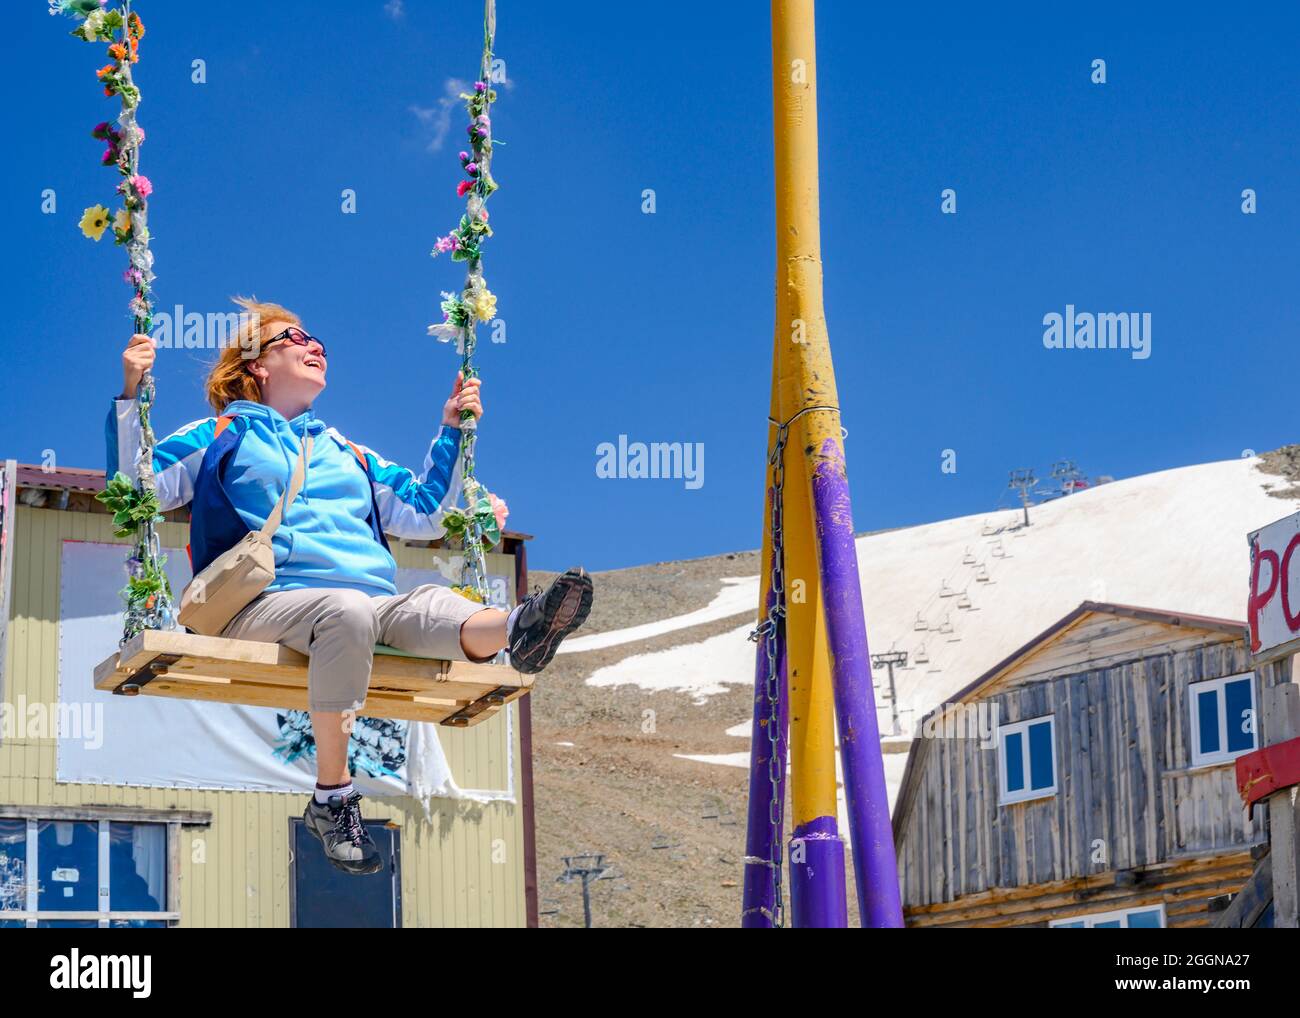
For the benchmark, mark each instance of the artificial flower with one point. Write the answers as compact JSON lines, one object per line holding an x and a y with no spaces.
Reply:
{"x":499,"y":510}
{"x":94,"y":222}
{"x":105,"y":71}
{"x":445,"y":332}
{"x":85,"y":8}
{"x":122,"y":222}
{"x":142,"y":185}
{"x":117,"y":51}
{"x":484,"y":305}
{"x":462,"y":187}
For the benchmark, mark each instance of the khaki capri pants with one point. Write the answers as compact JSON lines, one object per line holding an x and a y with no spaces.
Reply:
{"x":338,"y":629}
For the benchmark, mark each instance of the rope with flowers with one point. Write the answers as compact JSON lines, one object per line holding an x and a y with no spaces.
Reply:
{"x":483,"y":515}
{"x":148,"y":593}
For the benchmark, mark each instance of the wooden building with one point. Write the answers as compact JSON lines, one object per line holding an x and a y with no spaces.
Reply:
{"x":83,"y":854}
{"x":1087,"y":780}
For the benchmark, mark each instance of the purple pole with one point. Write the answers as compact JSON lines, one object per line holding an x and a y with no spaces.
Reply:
{"x":762,"y":837}
{"x":817,"y":898}
{"x":874,"y":862}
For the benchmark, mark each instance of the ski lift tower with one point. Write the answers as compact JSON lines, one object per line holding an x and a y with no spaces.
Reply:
{"x":888,"y":660}
{"x":1023,"y":480}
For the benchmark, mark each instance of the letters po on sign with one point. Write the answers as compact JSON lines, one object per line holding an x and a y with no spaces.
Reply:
{"x":1273,"y":608}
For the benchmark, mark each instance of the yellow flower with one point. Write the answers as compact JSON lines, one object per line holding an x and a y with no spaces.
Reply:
{"x":122,"y":221}
{"x":94,"y":222}
{"x":485,"y":305}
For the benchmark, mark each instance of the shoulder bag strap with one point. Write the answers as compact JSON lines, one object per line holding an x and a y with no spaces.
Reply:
{"x":295,"y":485}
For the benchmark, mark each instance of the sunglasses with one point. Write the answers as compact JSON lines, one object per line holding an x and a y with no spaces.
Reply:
{"x":297,"y":337}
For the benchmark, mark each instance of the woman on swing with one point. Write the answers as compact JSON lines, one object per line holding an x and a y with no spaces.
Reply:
{"x":333,"y":596}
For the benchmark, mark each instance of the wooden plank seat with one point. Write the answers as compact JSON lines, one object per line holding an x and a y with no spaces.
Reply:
{"x":192,"y":667}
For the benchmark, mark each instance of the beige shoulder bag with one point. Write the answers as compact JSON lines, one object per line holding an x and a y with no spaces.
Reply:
{"x":229,"y":584}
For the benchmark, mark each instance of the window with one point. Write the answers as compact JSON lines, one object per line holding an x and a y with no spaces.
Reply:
{"x":83,"y":873}
{"x":1223,"y":718}
{"x":1027,"y":760}
{"x":1147,"y":917}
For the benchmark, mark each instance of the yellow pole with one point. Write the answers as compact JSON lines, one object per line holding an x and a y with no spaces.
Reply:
{"x":817,"y":852}
{"x":812,"y":703}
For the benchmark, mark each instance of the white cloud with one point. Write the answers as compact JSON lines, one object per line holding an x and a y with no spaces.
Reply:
{"x":395,"y":10}
{"x":436,"y":119}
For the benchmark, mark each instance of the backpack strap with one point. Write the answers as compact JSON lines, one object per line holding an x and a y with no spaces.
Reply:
{"x":223,"y":422}
{"x":356,"y":451}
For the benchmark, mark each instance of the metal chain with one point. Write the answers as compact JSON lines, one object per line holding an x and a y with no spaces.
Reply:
{"x":768,"y":631}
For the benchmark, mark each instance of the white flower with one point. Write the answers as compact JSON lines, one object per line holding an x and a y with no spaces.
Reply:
{"x":88,"y":29}
{"x":445,"y":331}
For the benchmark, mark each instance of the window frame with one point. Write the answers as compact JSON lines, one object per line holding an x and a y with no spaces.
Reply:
{"x":1223,"y":755}
{"x":31,"y":915}
{"x":1027,"y":794}
{"x":1090,"y":919}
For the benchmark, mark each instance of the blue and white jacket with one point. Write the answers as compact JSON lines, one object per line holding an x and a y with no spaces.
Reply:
{"x":232,"y":473}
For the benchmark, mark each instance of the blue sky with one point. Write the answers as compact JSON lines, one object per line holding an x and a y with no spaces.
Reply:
{"x":1116,"y":197}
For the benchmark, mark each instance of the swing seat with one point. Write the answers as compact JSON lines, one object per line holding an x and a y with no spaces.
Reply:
{"x":192,"y":667}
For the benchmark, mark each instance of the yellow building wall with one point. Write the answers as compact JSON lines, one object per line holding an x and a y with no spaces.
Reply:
{"x":465,"y":867}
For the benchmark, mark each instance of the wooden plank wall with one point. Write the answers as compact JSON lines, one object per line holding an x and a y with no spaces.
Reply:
{"x":1126,"y":797}
{"x":462,"y":868}
{"x":1184,"y":889}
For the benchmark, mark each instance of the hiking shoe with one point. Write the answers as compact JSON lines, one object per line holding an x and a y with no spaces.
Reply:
{"x":547,"y":617}
{"x":338,"y":827}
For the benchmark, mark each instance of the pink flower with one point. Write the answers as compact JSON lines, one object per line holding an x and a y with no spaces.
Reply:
{"x":443,"y":244}
{"x":142,"y":185}
{"x":480,"y":86}
{"x":499,"y":510}
{"x":132,"y":276}
{"x":464,"y":157}
{"x":110,"y":156}
{"x":462,"y":187}
{"x":471,"y":169}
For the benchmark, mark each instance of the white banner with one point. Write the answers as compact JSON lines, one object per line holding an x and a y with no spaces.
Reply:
{"x":160,"y":742}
